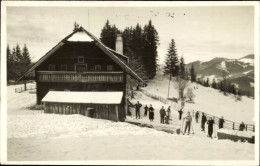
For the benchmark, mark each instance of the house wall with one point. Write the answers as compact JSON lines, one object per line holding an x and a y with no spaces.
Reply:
{"x":68,"y":55}
{"x":101,"y":111}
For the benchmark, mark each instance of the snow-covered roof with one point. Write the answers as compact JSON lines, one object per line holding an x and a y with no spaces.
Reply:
{"x":83,"y":97}
{"x":80,"y":36}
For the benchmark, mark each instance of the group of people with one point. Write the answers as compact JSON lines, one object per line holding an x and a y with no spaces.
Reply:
{"x":147,"y":109}
{"x":210,"y":122}
{"x":166,"y":114}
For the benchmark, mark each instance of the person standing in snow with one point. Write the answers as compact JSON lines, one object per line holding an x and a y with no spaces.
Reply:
{"x":188,"y":120}
{"x":168,"y":115}
{"x":197,"y":116}
{"x":221,"y":123}
{"x":169,"y":111}
{"x":242,"y":126}
{"x":137,"y":109}
{"x":203,"y":121}
{"x":162,"y":113}
{"x":151,"y":112}
{"x":180,"y":113}
{"x":145,"y":110}
{"x":210,"y":126}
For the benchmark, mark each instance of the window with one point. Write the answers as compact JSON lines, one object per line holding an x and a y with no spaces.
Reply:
{"x":63,"y":67}
{"x":51,"y":67}
{"x":80,"y":59}
{"x":81,"y":67}
{"x":110,"y":67}
{"x":97,"y":67}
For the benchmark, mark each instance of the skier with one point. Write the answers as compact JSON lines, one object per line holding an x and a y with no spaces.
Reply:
{"x":169,"y":111}
{"x":145,"y":110}
{"x":180,"y":113}
{"x":162,"y":113}
{"x":151,"y":112}
{"x":210,"y":126}
{"x":203,"y":121}
{"x":242,"y":126}
{"x":137,"y":109}
{"x":197,"y":116}
{"x":221,"y":122}
{"x":188,"y":120}
{"x":168,"y":115}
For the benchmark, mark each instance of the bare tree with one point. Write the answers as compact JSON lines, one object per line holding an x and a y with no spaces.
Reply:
{"x":181,"y":85}
{"x":190,"y":95}
{"x":137,"y":65}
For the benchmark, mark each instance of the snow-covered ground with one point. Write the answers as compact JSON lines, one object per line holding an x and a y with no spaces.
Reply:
{"x":247,"y":60}
{"x":33,"y":136}
{"x":208,"y":100}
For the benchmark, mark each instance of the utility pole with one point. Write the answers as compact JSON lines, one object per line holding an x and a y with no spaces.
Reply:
{"x":88,"y":20}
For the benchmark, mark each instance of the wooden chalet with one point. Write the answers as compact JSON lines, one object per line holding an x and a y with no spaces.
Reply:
{"x":82,"y":63}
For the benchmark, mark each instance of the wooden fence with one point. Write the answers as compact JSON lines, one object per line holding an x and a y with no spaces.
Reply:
{"x":227,"y":125}
{"x":21,"y":89}
{"x":156,"y":97}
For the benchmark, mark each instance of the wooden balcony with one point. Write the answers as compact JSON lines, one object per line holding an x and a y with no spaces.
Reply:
{"x":71,"y":76}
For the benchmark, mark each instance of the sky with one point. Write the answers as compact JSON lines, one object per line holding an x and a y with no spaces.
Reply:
{"x":200,"y":33}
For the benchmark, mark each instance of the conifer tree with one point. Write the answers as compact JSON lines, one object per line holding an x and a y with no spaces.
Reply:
{"x":26,"y":60}
{"x":192,"y":74}
{"x":171,"y":61}
{"x":150,"y":44}
{"x":182,"y":69}
{"x":214,"y":84}
{"x":108,"y":35}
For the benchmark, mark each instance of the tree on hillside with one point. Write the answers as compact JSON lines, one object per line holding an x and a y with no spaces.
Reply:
{"x":180,"y":85}
{"x":137,"y":41}
{"x":190,"y":95}
{"x":171,"y":62}
{"x":192,"y":74}
{"x":182,"y":69}
{"x":214,"y":84}
{"x":108,"y":35}
{"x":206,"y":82}
{"x":149,"y":53}
{"x":224,"y":78}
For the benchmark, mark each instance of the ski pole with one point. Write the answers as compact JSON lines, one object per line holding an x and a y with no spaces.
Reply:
{"x":192,"y":128}
{"x":182,"y":126}
{"x":215,"y":131}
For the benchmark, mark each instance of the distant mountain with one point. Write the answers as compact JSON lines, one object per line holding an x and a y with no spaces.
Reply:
{"x":240,"y":71}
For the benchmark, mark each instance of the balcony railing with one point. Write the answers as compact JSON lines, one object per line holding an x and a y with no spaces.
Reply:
{"x":68,"y":76}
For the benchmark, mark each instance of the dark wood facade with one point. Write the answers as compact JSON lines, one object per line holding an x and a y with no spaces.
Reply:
{"x":82,"y":66}
{"x":79,"y":66}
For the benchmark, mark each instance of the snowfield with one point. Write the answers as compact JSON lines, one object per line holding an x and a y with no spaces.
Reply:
{"x":207,"y":100}
{"x":247,"y":60}
{"x":35,"y":136}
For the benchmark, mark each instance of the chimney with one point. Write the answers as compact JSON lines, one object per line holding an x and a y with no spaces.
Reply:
{"x":119,"y":43}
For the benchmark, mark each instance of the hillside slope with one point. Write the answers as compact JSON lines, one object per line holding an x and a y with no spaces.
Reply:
{"x":207,"y":100}
{"x":240,"y":71}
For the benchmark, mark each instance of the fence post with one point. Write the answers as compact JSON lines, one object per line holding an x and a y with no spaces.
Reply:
{"x":253,"y":128}
{"x":233,"y":126}
{"x":246,"y":127}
